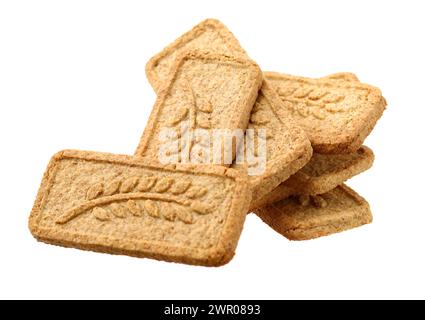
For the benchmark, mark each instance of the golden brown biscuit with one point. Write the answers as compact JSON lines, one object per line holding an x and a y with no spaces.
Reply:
{"x":322,"y":174}
{"x":287,"y":146}
{"x":337,"y":112}
{"x":122,"y":205}
{"x":205,"y":90}
{"x":209,"y":35}
{"x":336,"y":115}
{"x":310,"y":217}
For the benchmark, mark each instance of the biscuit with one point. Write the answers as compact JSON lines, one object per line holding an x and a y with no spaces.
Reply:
{"x":209,"y":35}
{"x":121,"y":205}
{"x":322,"y":174}
{"x":287,"y":146}
{"x":206,"y":91}
{"x":310,"y":217}
{"x":336,"y":115}
{"x":337,"y":111}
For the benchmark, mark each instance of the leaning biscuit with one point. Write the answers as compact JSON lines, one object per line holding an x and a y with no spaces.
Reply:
{"x":310,"y":217}
{"x":336,"y":115}
{"x":322,"y":174}
{"x":205,"y":91}
{"x":337,"y":112}
{"x":287,"y":148}
{"x":121,"y":205}
{"x":209,"y":35}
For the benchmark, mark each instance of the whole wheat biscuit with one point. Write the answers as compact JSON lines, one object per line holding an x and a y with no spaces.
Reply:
{"x":322,"y":174}
{"x":336,"y":115}
{"x":310,"y":217}
{"x":206,"y":90}
{"x":121,"y":205}
{"x":287,"y":146}
{"x":337,"y":112}
{"x":209,"y":35}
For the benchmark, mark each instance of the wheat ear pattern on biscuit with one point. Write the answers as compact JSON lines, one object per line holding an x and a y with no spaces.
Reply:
{"x":294,"y":141}
{"x":121,"y":205}
{"x":206,"y":90}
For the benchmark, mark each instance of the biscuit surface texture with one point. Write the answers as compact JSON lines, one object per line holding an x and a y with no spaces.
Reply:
{"x":287,"y":146}
{"x":322,"y":174}
{"x":337,"y":112}
{"x":305,"y":218}
{"x":206,"y":91}
{"x":209,"y":35}
{"x":122,"y":205}
{"x":336,"y":115}
{"x":345,"y":76}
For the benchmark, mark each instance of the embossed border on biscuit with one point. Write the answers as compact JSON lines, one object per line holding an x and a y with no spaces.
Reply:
{"x":123,"y":205}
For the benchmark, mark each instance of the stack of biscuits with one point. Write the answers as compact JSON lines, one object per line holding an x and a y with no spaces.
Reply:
{"x":194,"y":213}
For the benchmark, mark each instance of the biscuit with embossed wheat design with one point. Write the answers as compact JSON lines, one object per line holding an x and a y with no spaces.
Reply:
{"x":310,"y":217}
{"x":323,"y":173}
{"x":337,"y":111}
{"x":204,"y":91}
{"x":288,"y":148}
{"x":337,"y":115}
{"x":121,"y":205}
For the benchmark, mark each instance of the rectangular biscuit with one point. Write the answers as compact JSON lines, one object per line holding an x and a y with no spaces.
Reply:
{"x":323,"y":173}
{"x":287,"y":146}
{"x":204,"y":36}
{"x":121,"y":205}
{"x":209,"y":35}
{"x":206,"y":90}
{"x":336,"y":115}
{"x":310,"y":217}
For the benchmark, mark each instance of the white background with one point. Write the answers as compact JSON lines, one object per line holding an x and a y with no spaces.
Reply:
{"x":72,"y":76}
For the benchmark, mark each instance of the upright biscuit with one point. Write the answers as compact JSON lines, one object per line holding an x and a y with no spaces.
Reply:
{"x":322,"y":174}
{"x":206,"y":90}
{"x":336,"y":115}
{"x":309,"y":217}
{"x":121,"y":205}
{"x":209,"y":35}
{"x":287,"y":146}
